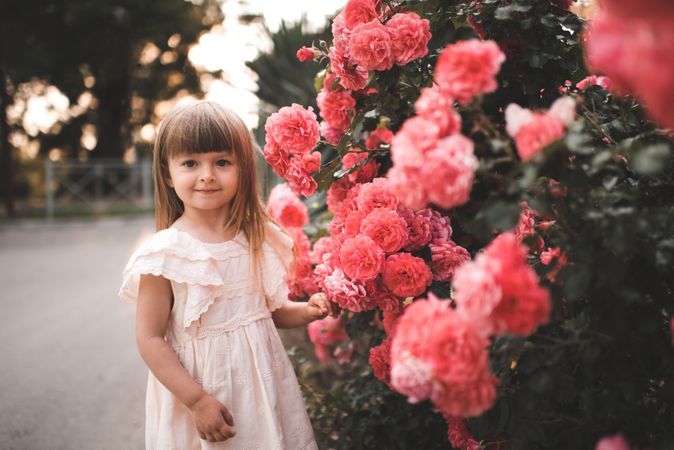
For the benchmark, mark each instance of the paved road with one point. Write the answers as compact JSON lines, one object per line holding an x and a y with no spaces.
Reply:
{"x":70,"y":376}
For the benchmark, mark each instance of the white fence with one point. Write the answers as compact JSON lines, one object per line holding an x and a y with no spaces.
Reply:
{"x":100,"y":185}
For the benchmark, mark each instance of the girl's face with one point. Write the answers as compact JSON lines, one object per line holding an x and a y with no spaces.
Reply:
{"x":204,"y":181}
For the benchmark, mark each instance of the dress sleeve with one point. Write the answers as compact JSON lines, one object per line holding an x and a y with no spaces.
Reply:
{"x":179,"y":260}
{"x":278,"y":259}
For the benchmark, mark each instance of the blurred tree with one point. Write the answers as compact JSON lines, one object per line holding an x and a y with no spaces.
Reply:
{"x":128,"y":54}
{"x":282,"y":78}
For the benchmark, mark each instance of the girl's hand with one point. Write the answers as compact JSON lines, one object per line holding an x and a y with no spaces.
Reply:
{"x":318,"y":307}
{"x":213,"y":420}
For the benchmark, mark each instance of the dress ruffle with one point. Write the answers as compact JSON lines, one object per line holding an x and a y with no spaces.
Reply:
{"x":277,"y":262}
{"x":166,"y":253}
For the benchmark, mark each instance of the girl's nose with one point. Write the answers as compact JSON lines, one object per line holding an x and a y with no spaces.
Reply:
{"x":207,"y":175}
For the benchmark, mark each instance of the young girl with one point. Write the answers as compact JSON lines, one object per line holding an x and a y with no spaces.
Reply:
{"x":210,"y":289}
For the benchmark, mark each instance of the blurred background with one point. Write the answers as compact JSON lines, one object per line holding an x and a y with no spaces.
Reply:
{"x":83,"y":86}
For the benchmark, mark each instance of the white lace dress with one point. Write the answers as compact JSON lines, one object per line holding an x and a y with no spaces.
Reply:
{"x":221,"y":329}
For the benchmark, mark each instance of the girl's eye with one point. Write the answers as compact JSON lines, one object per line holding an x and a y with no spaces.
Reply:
{"x":222,"y":163}
{"x":190,"y":163}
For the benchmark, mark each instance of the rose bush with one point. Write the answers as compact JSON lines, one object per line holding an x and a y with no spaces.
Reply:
{"x":504,"y":255}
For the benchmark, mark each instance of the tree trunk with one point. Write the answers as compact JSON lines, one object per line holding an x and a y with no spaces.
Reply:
{"x":112,"y":91}
{"x":6,"y":166}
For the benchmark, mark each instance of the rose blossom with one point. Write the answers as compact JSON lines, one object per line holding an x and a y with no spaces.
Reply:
{"x":336,"y":194}
{"x":341,"y":34}
{"x":616,"y":442}
{"x":278,"y":159}
{"x":405,"y":183}
{"x":351,"y":75}
{"x":375,"y":194}
{"x":410,"y":34}
{"x":359,"y":11}
{"x":435,"y":354}
{"x":353,"y":223}
{"x":370,"y":46}
{"x":542,"y":130}
{"x":286,"y":208}
{"x":419,"y":226}
{"x":448,"y":171}
{"x":331,"y":134}
{"x":416,"y":137}
{"x":380,"y":360}
{"x":520,"y":307}
{"x":594,"y":80}
{"x":436,"y":107}
{"x":363,"y":174}
{"x":293,"y":128}
{"x":361,"y":258}
{"x":446,"y":257}
{"x":406,"y":275}
{"x":336,"y":107}
{"x":347,"y":294}
{"x":630,"y":9}
{"x":441,"y":226}
{"x":321,"y":246}
{"x":305,"y":54}
{"x":468,"y":68}
{"x":386,"y":228}
{"x":300,"y":180}
{"x":377,"y":137}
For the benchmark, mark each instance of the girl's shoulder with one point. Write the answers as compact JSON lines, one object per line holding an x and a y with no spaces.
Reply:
{"x":174,"y":242}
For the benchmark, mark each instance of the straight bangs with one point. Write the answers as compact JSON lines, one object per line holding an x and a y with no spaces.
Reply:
{"x":203,"y":128}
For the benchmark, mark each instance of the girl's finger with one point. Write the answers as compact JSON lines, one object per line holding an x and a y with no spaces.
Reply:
{"x":219,"y":437}
{"x":227,"y":416}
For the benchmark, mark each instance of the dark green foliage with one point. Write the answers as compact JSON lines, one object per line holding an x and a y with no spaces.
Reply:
{"x":604,"y":364}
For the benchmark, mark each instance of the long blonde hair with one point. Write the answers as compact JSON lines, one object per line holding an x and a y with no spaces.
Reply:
{"x":205,"y":127}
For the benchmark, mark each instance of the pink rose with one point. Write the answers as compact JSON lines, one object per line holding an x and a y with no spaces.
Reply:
{"x":594,"y":80}
{"x":336,"y":107}
{"x":468,"y":68}
{"x":436,"y":107}
{"x":477,"y":292}
{"x":377,"y":137}
{"x":419,"y":226}
{"x":305,"y":54}
{"x":441,"y":226}
{"x":414,"y":139}
{"x":331,"y":134}
{"x":616,"y":442}
{"x":341,"y":34}
{"x":351,"y":75}
{"x":446,"y":257}
{"x":405,"y":183}
{"x":328,"y":331}
{"x":376,"y":194}
{"x":359,"y":11}
{"x":448,"y":171}
{"x":436,"y":354}
{"x":380,"y":360}
{"x":353,"y":222}
{"x":410,"y":34}
{"x":286,"y":208}
{"x":406,"y":275}
{"x":347,"y":294}
{"x":386,"y":228}
{"x":300,"y":180}
{"x":366,"y":172}
{"x":361,"y":258}
{"x":630,"y":9}
{"x":542,"y":130}
{"x":370,"y":46}
{"x":336,"y":194}
{"x":321,"y":246}
{"x":293,"y":128}
{"x":278,"y":158}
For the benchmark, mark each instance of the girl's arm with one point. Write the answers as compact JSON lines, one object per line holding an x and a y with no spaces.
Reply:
{"x":152,"y":317}
{"x":297,"y":314}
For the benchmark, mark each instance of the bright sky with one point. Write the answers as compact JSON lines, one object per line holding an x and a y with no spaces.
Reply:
{"x":229,"y":47}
